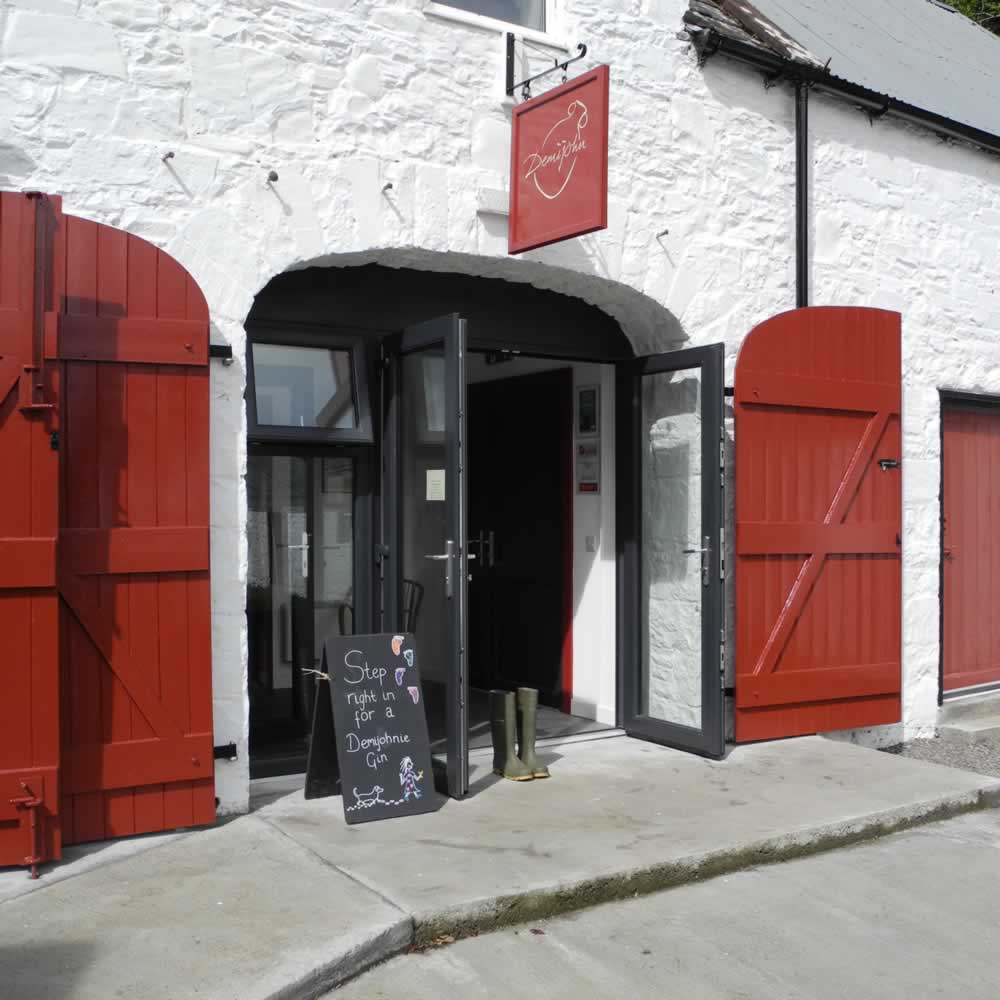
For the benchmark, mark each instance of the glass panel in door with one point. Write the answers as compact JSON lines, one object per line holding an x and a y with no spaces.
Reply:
{"x":430,"y":575}
{"x":300,"y":584}
{"x":672,"y":530}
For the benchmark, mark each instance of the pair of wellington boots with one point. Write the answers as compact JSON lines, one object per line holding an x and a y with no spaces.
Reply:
{"x":510,"y":717}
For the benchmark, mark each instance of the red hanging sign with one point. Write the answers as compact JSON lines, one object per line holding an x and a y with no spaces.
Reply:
{"x":559,"y":163}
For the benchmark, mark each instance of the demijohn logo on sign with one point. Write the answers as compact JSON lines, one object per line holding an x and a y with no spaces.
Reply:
{"x":559,"y":163}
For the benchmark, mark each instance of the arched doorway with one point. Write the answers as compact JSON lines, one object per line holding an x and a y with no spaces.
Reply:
{"x":481,"y":415}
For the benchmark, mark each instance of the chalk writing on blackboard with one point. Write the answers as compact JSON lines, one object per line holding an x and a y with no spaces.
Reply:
{"x":381,"y":729}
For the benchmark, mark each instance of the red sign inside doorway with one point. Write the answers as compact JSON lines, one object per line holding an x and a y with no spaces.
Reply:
{"x":559,"y":163}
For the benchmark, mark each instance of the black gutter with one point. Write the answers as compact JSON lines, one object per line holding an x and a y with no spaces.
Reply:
{"x":801,"y":194}
{"x":709,"y":42}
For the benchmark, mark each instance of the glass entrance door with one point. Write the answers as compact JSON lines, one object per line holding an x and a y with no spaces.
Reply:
{"x":426,"y":506}
{"x":670,"y":525}
{"x":301,"y":587}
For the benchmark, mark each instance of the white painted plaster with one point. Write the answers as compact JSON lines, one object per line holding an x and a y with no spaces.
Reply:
{"x":341,"y":98}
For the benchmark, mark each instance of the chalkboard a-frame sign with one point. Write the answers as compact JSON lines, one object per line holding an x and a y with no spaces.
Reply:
{"x":380,"y":726}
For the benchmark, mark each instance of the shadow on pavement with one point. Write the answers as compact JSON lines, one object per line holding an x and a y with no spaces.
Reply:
{"x":46,"y":971}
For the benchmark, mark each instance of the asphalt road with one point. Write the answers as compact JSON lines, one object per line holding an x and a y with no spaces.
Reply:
{"x":912,"y":915}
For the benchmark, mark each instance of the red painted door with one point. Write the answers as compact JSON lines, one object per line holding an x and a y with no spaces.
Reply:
{"x":818,"y":521}
{"x":131,"y":340}
{"x":971,"y":543}
{"x":29,"y":607}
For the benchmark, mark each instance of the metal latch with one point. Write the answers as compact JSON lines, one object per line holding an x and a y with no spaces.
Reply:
{"x":31,"y":802}
{"x":885,"y":464}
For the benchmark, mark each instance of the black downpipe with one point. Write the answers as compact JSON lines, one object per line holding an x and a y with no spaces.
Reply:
{"x":801,"y":194}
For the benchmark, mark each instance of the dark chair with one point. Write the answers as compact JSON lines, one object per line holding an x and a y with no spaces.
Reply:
{"x":413,"y":595}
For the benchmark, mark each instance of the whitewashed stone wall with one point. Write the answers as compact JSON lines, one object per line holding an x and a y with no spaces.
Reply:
{"x":344,"y":98}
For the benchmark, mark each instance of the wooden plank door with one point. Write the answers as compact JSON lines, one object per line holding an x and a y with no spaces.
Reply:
{"x":131,"y":337}
{"x":971,"y":546}
{"x":818,"y":521}
{"x":29,"y":649}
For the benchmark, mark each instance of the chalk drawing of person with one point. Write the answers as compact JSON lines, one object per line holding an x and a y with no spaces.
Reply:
{"x":408,"y":779}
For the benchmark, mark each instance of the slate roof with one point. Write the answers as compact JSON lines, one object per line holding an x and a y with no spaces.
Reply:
{"x":921,"y":52}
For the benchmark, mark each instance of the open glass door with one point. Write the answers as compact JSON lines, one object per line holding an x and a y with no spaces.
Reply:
{"x":670,"y":530}
{"x":426,"y":568}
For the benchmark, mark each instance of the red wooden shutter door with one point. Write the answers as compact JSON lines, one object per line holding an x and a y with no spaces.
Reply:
{"x":971,"y":564}
{"x":131,"y":336}
{"x":818,"y":521}
{"x":29,"y":647}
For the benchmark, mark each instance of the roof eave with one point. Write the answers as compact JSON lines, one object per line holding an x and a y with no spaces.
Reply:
{"x":709,"y":42}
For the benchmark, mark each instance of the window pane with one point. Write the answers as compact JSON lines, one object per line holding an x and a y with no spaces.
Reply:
{"x":672,"y":540}
{"x":528,"y":13}
{"x":303,"y":387}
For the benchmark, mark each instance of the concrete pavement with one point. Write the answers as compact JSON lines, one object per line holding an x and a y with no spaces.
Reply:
{"x":912,"y":915}
{"x":289,"y":901}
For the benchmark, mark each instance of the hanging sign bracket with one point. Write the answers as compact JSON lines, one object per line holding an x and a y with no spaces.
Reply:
{"x":525,"y":85}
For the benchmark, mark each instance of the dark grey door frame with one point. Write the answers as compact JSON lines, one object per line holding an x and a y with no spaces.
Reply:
{"x":709,"y":740}
{"x":449,"y":334}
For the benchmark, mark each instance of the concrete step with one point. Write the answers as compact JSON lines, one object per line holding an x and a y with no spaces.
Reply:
{"x":985,"y":729}
{"x":972,"y":706}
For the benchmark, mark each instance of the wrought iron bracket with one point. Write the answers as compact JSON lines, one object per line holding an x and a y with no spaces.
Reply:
{"x":525,"y":85}
{"x":875,"y":113}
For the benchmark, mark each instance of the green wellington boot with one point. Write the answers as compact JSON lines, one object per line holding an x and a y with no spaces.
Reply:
{"x":527,"y":716}
{"x":502,"y":724}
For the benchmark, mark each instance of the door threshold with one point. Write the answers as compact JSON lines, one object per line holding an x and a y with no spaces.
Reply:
{"x":560,"y":741}
{"x":958,"y":694}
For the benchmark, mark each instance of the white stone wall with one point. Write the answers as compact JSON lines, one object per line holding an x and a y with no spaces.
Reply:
{"x":345,"y":97}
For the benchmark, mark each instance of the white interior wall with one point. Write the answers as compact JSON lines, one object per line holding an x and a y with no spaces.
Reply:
{"x":594,"y":618}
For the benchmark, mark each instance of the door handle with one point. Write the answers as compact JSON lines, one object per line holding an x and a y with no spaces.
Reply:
{"x":447,"y":557}
{"x":705,"y":550}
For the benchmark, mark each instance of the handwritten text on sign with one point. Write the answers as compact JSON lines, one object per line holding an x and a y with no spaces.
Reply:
{"x":380,"y":726}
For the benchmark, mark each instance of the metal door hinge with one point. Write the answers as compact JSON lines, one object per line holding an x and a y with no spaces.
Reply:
{"x":227,"y":751}
{"x":54,"y":440}
{"x":885,"y":464}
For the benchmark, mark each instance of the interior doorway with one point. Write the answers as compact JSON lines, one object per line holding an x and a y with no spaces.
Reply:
{"x":521,"y":538}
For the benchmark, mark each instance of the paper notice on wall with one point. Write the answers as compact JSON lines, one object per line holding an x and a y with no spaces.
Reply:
{"x":435,"y":484}
{"x":588,"y":467}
